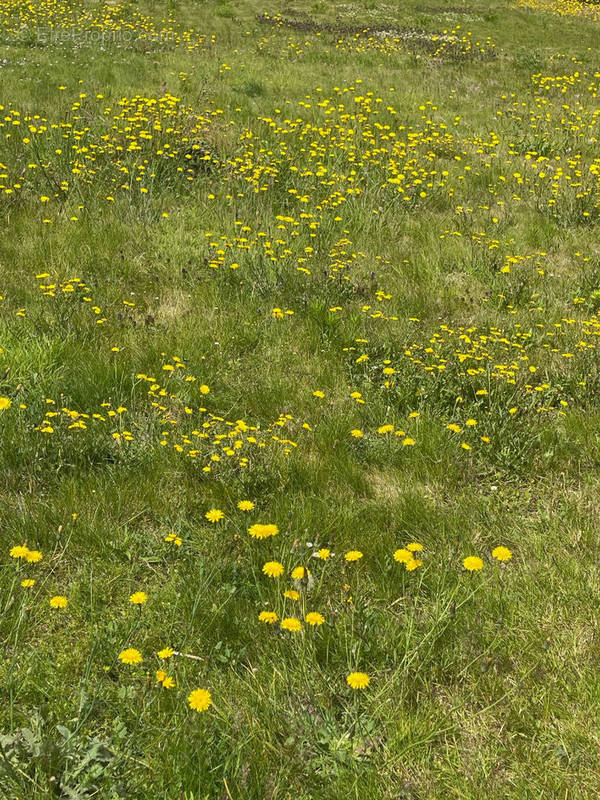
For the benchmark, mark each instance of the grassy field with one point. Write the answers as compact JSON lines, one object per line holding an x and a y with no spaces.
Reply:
{"x":299,"y":400}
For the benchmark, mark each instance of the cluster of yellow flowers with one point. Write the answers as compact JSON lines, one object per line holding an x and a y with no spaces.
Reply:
{"x":488,"y":377}
{"x":119,"y":24}
{"x":169,"y":410}
{"x":417,"y":158}
{"x":454,"y":44}
{"x":198,"y":699}
{"x":138,"y":139}
{"x":304,"y":580}
{"x":21,"y":552}
{"x":569,"y":8}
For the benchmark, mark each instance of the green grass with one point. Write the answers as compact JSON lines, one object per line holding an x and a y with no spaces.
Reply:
{"x":334,"y":218}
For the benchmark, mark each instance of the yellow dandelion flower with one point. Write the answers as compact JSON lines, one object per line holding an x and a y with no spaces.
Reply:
{"x":324,"y":553}
{"x":130,"y":656}
{"x":262,"y":531}
{"x":200,"y":699}
{"x":501,"y":553}
{"x":473,"y":563}
{"x":138,"y":598}
{"x":214,"y":515}
{"x":412,"y":564}
{"x":27,"y":583}
{"x":314,"y":618}
{"x":5,"y":403}
{"x":353,"y":555}
{"x":357,"y":433}
{"x":59,"y":601}
{"x":299,"y":572}
{"x":33,"y":556}
{"x":291,"y":624}
{"x":268,"y":617}
{"x":245,"y":505}
{"x":19,"y":551}
{"x":164,"y":679}
{"x":358,"y":680}
{"x":403,"y":555}
{"x":273,"y":569}
{"x":291,"y":594}
{"x":166,"y":652}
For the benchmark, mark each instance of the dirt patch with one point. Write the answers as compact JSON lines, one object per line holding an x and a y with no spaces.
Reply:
{"x":438,"y":46}
{"x":308,"y":25}
{"x":446,"y":10}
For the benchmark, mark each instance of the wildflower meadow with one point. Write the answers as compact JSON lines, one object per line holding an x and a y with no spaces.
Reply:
{"x":299,"y":400}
